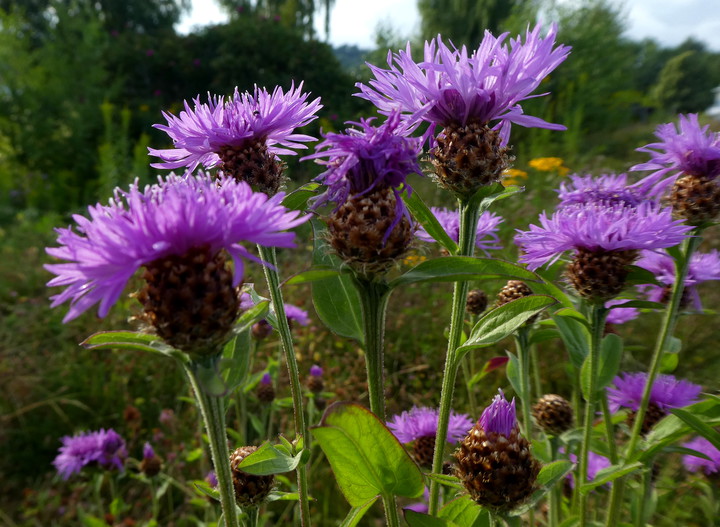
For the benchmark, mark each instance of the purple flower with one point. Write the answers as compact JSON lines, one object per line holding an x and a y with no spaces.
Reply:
{"x":420,"y":506}
{"x":499,"y":417}
{"x":599,"y":228}
{"x":703,"y":268}
{"x":296,"y":314}
{"x":596,"y":463}
{"x":455,"y":87}
{"x":609,"y":189}
{"x":148,"y":452}
{"x":487,"y":227}
{"x":422,"y":422}
{"x":169,"y":218}
{"x":211,"y":479}
{"x":620,"y":315}
{"x":689,"y":149}
{"x":246,"y":301}
{"x":104,"y":447}
{"x":200,"y":133}
{"x":695,"y":463}
{"x":266,"y":379}
{"x":667,"y":392}
{"x":316,"y":371}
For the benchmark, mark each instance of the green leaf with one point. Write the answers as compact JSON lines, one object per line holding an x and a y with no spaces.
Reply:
{"x":640,"y":304}
{"x":640,"y":276}
{"x":268,"y":460}
{"x":204,"y":488}
{"x":356,"y":513}
{"x":298,"y":198}
{"x":210,"y":377}
{"x":446,"y":480}
{"x":283,"y":496}
{"x":673,"y":345}
{"x":491,"y":365}
{"x":464,"y":511}
{"x":313,"y":275}
{"x":696,"y":424}
{"x":609,"y":474}
{"x":257,"y":299}
{"x":336,"y":300}
{"x":610,"y":355}
{"x":512,"y":372}
{"x":462,"y":268}
{"x":543,"y":335}
{"x":424,"y":216}
{"x":548,"y":288}
{"x":548,"y":477}
{"x":134,"y":341}
{"x":236,"y":360}
{"x":486,"y":195}
{"x":418,"y":519}
{"x":575,"y":335}
{"x":502,"y":321}
{"x":365,"y":456}
{"x":669,"y":362}
{"x":91,"y":521}
{"x":248,"y":318}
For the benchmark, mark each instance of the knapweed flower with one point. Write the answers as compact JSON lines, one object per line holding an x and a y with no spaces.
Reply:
{"x":553,"y":413}
{"x":620,"y":315}
{"x":608,"y":189}
{"x":366,"y":171}
{"x":104,"y":448}
{"x":667,"y":392}
{"x":265,"y":390}
{"x":703,"y":267}
{"x":419,"y":426}
{"x":695,"y":463}
{"x":465,"y":94}
{"x":243,"y":134}
{"x":687,"y":158}
{"x":250,"y":490}
{"x":486,"y":238}
{"x":180,"y":230}
{"x":596,"y":463}
{"x":296,"y":315}
{"x":605,"y":239}
{"x":494,"y":461}
{"x":315,"y":382}
{"x":151,"y":462}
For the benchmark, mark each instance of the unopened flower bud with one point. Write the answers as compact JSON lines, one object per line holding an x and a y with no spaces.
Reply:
{"x":553,"y":413}
{"x":250,"y":490}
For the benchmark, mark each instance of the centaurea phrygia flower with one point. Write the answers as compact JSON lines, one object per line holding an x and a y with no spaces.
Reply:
{"x":494,"y":461}
{"x":604,"y":238}
{"x":596,"y":463}
{"x":608,"y":189}
{"x":513,"y":290}
{"x":315,"y":382}
{"x":242,"y":135}
{"x":104,"y":448}
{"x":476,"y":302}
{"x":703,"y":267}
{"x":250,"y":490}
{"x":367,"y":168}
{"x":486,"y":238}
{"x":180,"y":230}
{"x":265,"y":390}
{"x":620,"y":315}
{"x":667,"y":392}
{"x":151,"y":462}
{"x":466,"y":94}
{"x":419,"y":427}
{"x":695,"y":463}
{"x":553,"y":413}
{"x":686,"y":160}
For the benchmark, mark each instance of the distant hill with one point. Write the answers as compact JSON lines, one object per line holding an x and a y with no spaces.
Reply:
{"x":351,"y":57}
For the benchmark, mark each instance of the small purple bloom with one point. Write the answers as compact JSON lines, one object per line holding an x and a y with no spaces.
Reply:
{"x":169,"y":218}
{"x":499,"y":417}
{"x":688,"y":149}
{"x":422,"y":422}
{"x":599,"y":228}
{"x":620,"y":315}
{"x":296,"y":314}
{"x":148,"y":452}
{"x":211,"y":479}
{"x":199,"y":133}
{"x":457,"y":87}
{"x":266,"y":379}
{"x":420,"y":506}
{"x":104,"y":447}
{"x":695,"y":463}
{"x":608,"y":189}
{"x":316,"y":371}
{"x":246,"y":301}
{"x":486,"y":238}
{"x":667,"y":392}
{"x":596,"y":463}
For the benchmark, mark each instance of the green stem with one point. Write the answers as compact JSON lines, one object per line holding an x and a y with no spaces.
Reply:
{"x":467,"y":375}
{"x":609,"y":429}
{"x":597,"y":320}
{"x":391,"y":514}
{"x":212,"y":409}
{"x":273,"y":282}
{"x":468,"y":227}
{"x":537,"y":381}
{"x":253,"y":515}
{"x":374,"y":298}
{"x":645,"y":498}
{"x":688,"y":247}
{"x":555,"y":497}
{"x":523,"y":350}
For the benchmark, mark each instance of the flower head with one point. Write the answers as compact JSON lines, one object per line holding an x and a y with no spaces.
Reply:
{"x":148,"y":451}
{"x":422,"y":422}
{"x":695,"y":463}
{"x":316,"y":371}
{"x":499,"y":417}
{"x":688,"y":149}
{"x":667,"y":392}
{"x":211,"y":479}
{"x":596,"y":463}
{"x":296,"y":314}
{"x":609,"y":189}
{"x":455,"y":87}
{"x":201,"y":133}
{"x":620,"y":315}
{"x":105,"y":448}
{"x":486,"y":238}
{"x":266,"y":379}
{"x":171,"y":218}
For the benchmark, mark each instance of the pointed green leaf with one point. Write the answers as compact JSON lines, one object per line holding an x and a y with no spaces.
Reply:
{"x":418,"y":519}
{"x":424,"y":216}
{"x":365,"y":456}
{"x":486,"y":195}
{"x":543,"y":335}
{"x":252,"y":315}
{"x":356,"y":513}
{"x":512,"y":372}
{"x":502,"y":321}
{"x":464,"y":511}
{"x":548,"y":288}
{"x":610,"y":355}
{"x":462,"y":268}
{"x":313,"y":275}
{"x":446,"y":480}
{"x":640,"y":276}
{"x":236,"y":360}
{"x":298,"y":198}
{"x":548,"y":477}
{"x":576,"y":336}
{"x":640,"y":304}
{"x":268,"y":460}
{"x":696,"y":424}
{"x":131,"y":340}
{"x":609,"y":474}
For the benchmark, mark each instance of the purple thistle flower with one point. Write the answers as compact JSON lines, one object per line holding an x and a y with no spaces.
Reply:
{"x":620,"y":315}
{"x":296,"y":314}
{"x":200,"y":133}
{"x":266,"y":379}
{"x":169,"y":218}
{"x":499,"y":417}
{"x":316,"y":371}
{"x":597,"y":227}
{"x":695,"y":463}
{"x":686,"y":149}
{"x":104,"y":447}
{"x":703,"y":268}
{"x":422,"y":422}
{"x":487,"y":227}
{"x":455,"y":87}
{"x":211,"y":479}
{"x":609,"y":189}
{"x":667,"y":392}
{"x":148,"y":452}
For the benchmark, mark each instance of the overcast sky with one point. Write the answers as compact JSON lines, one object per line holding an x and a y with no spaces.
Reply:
{"x":354,"y":21}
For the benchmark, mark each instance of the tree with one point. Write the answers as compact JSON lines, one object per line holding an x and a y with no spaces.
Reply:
{"x":685,"y":84}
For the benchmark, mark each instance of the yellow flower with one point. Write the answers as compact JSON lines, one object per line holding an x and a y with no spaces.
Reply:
{"x":546,"y":164}
{"x":514,"y":173}
{"x":414,"y":259}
